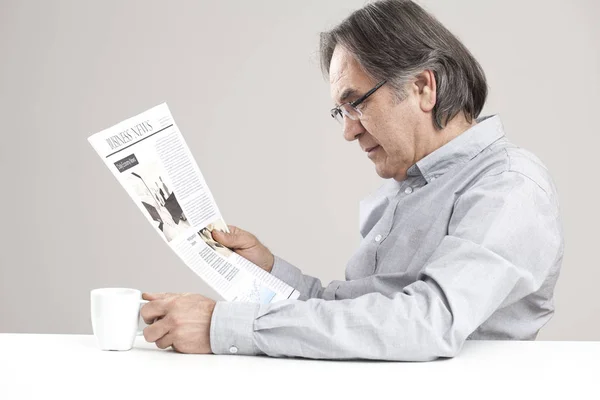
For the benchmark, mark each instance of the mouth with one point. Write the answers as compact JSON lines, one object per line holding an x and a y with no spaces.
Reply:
{"x":370,"y":149}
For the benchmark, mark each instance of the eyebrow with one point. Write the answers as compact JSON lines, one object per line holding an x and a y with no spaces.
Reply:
{"x":348,"y":92}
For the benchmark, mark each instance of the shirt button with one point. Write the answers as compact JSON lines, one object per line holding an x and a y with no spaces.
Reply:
{"x":233,"y":349}
{"x":378,"y":238}
{"x":408,"y":190}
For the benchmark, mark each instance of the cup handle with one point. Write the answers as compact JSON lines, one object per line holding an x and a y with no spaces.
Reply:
{"x":140,"y":332}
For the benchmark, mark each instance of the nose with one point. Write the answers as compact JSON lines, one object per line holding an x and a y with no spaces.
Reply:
{"x":352,"y":129}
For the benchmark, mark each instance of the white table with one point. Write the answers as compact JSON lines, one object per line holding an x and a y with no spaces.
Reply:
{"x":70,"y":366}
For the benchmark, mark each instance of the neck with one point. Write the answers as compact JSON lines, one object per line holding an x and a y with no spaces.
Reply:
{"x":437,"y":138}
{"x":431,"y":139}
{"x":455,"y":127}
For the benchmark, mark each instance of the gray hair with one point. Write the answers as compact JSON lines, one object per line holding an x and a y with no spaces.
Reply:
{"x":396,"y":40}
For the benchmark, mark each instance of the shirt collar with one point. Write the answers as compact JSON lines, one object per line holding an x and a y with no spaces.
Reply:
{"x":460,"y":149}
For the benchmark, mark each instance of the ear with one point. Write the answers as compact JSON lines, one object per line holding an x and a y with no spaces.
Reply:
{"x":425,"y":89}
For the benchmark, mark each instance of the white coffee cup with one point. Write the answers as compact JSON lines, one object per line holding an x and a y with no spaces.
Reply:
{"x":115,"y":317}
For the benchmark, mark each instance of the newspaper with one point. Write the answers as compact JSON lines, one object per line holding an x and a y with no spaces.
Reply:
{"x":149,"y":157}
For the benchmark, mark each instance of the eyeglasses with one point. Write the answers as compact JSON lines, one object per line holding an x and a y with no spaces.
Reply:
{"x":349,"y":109}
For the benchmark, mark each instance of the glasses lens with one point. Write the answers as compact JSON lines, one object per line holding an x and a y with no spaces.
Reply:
{"x":351,"y":112}
{"x":345,"y":110}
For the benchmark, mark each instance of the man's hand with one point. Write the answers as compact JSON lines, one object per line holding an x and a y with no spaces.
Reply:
{"x":246,"y":245}
{"x":181,"y":321}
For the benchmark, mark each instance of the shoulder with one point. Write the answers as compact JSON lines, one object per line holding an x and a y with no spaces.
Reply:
{"x":526,"y":164}
{"x":505,"y":161}
{"x":504,"y":172}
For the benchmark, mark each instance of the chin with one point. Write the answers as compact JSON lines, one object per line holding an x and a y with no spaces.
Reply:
{"x":382,"y":172}
{"x":388,"y":174}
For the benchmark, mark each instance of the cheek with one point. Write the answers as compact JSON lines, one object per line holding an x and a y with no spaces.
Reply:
{"x":391,"y":141}
{"x":396,"y":154}
{"x":388,"y":129}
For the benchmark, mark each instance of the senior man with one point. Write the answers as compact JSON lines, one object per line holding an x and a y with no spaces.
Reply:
{"x":463,"y":241}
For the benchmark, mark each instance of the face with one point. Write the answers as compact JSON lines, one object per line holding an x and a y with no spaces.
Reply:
{"x":388,"y":131}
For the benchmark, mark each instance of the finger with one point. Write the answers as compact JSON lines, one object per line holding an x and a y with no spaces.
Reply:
{"x":165,"y":341}
{"x":156,"y":296}
{"x":222,"y":237}
{"x":216,"y":232}
{"x":235,"y":239}
{"x":157,"y":330}
{"x":154,"y":310}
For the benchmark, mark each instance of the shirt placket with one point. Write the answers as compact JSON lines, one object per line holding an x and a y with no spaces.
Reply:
{"x":383,"y":230}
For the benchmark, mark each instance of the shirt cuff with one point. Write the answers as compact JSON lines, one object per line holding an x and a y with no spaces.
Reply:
{"x":287,"y":273}
{"x":232,"y":328}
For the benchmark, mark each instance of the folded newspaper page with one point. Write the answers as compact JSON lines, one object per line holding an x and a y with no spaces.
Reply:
{"x":149,"y":157}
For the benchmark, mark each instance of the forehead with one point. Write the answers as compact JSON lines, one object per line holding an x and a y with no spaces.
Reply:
{"x":346,"y":77}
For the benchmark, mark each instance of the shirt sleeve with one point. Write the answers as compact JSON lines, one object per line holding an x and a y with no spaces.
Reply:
{"x":503,"y":238}
{"x":308,"y":286}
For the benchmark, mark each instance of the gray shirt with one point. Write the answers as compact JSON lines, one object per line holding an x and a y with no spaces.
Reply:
{"x":469,"y":246}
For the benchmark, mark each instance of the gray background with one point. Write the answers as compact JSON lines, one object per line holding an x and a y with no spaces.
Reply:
{"x":243,"y":83}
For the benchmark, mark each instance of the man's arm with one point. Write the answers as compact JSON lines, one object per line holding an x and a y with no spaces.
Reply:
{"x":503,"y":238}
{"x":248,"y":246}
{"x":308,"y":286}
